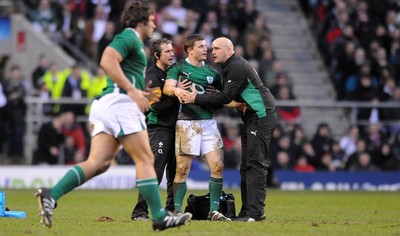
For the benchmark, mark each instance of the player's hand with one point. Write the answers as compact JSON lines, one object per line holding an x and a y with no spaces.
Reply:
{"x":191,"y":98}
{"x":243,"y":108}
{"x":155,"y":93}
{"x":238,"y":105}
{"x":181,"y":94}
{"x":183,"y":84}
{"x":140,"y":98}
{"x":233,"y":104}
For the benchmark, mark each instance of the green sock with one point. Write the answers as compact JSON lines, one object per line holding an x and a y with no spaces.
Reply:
{"x":179,"y":191}
{"x":215,"y":188}
{"x":72,"y":179}
{"x":151,"y":194}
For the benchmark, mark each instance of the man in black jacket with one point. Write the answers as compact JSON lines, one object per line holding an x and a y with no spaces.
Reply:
{"x":161,"y":120}
{"x":243,"y":89}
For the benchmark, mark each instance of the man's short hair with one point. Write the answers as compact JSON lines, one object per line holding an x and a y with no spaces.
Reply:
{"x":191,"y":40}
{"x":156,"y":47}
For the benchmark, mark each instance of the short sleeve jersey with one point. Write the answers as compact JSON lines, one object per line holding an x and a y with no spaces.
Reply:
{"x":134,"y":60}
{"x":200,"y":76}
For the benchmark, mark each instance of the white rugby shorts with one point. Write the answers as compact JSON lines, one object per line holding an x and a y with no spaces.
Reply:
{"x":116,"y":114}
{"x":197,"y":137}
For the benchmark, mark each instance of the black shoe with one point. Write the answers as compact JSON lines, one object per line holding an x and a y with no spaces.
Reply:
{"x":46,"y":206}
{"x":171,"y":221}
{"x":140,"y":215}
{"x":141,"y":218}
{"x":217,"y":216}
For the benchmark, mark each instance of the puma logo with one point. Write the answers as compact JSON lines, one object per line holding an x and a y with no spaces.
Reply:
{"x":187,"y":74}
{"x":254,"y":133}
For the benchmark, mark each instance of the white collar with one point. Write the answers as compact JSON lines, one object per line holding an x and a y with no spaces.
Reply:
{"x":202,"y":62}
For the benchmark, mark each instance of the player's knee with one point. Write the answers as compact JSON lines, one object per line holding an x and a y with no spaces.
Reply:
{"x":99,"y":165}
{"x":182,"y":171}
{"x":103,"y":167}
{"x":106,"y":165}
{"x":150,"y":158}
{"x":217,"y":168}
{"x":146,"y":159}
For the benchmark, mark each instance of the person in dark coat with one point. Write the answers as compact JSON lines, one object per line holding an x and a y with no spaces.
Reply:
{"x":49,"y":142}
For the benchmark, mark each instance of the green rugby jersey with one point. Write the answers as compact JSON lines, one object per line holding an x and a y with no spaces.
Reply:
{"x":242,"y":84}
{"x":200,"y":76}
{"x":134,"y":62}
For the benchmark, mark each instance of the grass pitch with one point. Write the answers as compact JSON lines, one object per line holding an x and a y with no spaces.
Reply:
{"x":106,"y":212}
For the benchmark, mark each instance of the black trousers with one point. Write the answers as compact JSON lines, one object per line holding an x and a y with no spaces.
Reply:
{"x":162,"y":142}
{"x":256,"y":138}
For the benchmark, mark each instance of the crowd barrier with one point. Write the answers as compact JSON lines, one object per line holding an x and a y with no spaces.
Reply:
{"x":123,"y":177}
{"x":339,"y":181}
{"x":35,"y":116}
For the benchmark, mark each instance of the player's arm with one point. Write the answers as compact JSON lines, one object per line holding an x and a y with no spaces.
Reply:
{"x":110,"y":62}
{"x":170,"y":86}
{"x":171,"y":89}
{"x":232,"y":88}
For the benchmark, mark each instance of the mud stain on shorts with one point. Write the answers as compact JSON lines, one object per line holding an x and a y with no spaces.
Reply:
{"x":185,"y":133}
{"x":196,"y":127}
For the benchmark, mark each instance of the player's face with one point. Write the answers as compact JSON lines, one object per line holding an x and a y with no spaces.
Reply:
{"x":200,"y":50}
{"x":167,"y":54}
{"x":149,"y":27}
{"x":219,"y":53}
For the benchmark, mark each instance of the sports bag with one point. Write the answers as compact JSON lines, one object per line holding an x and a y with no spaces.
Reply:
{"x":199,"y":206}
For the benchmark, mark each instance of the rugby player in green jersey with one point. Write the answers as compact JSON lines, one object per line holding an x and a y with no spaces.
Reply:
{"x":196,"y":129}
{"x":116,"y":118}
{"x":243,"y":88}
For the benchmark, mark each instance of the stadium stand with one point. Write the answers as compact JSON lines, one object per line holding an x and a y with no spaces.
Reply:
{"x":312,"y":54}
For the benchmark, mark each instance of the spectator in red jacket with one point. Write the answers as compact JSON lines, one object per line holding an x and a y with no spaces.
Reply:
{"x":302,"y":165}
{"x":290,"y":115}
{"x":72,"y":128}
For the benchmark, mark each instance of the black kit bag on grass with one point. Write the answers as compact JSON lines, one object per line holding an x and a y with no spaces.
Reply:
{"x":199,"y":206}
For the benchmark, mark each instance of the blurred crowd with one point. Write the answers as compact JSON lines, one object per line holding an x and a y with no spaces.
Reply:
{"x":91,"y":24}
{"x":360,"y":42}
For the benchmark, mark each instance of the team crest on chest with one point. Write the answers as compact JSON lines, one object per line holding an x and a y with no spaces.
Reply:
{"x":210,"y":79}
